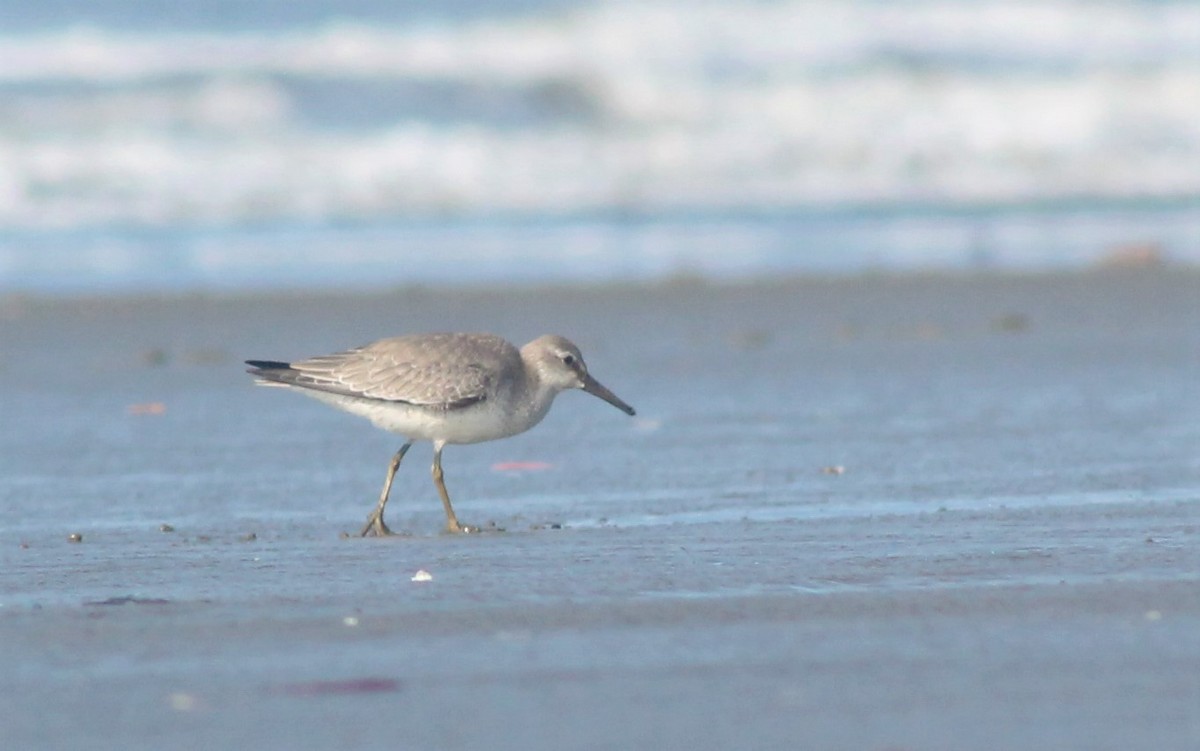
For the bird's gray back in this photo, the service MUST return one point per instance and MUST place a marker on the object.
(446, 371)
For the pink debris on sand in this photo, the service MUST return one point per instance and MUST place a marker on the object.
(147, 408)
(520, 466)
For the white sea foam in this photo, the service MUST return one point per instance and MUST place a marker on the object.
(641, 40)
(613, 106)
(616, 109)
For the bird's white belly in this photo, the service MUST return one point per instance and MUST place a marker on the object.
(482, 422)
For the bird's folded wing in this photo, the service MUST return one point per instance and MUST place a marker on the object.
(370, 374)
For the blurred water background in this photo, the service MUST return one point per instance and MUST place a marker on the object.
(219, 145)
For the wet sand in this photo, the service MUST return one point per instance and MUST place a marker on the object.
(932, 512)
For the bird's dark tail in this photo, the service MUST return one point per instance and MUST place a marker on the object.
(271, 371)
(260, 365)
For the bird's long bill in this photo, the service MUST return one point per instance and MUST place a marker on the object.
(593, 387)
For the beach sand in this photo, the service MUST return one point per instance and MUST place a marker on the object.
(921, 512)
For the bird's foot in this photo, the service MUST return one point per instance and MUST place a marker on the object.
(375, 527)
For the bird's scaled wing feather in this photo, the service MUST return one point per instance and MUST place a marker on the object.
(375, 373)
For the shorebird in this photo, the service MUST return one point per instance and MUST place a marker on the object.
(443, 388)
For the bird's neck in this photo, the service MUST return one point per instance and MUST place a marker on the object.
(539, 397)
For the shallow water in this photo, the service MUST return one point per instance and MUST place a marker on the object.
(922, 512)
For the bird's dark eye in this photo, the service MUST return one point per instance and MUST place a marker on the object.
(568, 360)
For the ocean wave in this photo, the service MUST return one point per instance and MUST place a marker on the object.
(615, 106)
(637, 40)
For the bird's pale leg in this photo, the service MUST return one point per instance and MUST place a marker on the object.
(452, 524)
(375, 523)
